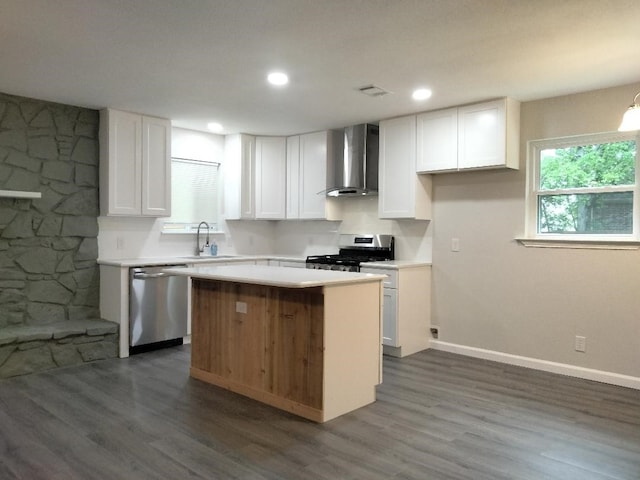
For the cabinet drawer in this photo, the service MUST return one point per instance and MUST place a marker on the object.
(392, 275)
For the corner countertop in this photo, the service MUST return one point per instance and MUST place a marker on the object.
(276, 276)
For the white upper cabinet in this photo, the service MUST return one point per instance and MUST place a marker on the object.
(486, 136)
(437, 141)
(276, 178)
(402, 192)
(239, 176)
(135, 164)
(307, 159)
(156, 167)
(293, 177)
(270, 179)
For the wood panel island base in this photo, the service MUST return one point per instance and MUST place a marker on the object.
(304, 341)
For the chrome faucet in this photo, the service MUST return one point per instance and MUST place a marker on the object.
(199, 249)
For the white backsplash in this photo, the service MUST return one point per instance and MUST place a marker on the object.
(413, 238)
(123, 237)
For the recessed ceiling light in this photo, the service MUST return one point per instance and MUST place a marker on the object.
(421, 94)
(215, 127)
(278, 78)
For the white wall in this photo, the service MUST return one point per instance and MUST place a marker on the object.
(497, 295)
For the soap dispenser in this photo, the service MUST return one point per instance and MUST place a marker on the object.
(214, 248)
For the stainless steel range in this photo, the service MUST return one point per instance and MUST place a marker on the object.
(354, 250)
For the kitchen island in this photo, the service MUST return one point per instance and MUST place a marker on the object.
(305, 341)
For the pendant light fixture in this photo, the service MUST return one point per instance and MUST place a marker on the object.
(631, 119)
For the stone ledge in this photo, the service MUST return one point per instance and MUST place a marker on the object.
(30, 333)
(29, 349)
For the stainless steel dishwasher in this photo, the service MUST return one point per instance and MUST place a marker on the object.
(158, 308)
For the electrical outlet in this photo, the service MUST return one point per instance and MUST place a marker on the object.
(581, 344)
(241, 307)
(455, 244)
(434, 332)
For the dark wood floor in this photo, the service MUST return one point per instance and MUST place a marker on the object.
(438, 416)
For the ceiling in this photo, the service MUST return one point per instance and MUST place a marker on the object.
(197, 61)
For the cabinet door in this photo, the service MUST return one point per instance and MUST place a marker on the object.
(390, 318)
(247, 177)
(121, 162)
(270, 177)
(238, 174)
(156, 167)
(296, 345)
(437, 141)
(313, 174)
(293, 177)
(396, 196)
(482, 135)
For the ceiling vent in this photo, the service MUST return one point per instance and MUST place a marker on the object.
(373, 91)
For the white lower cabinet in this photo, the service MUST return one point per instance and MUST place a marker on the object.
(390, 316)
(406, 309)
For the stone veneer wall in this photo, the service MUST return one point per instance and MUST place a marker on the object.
(48, 246)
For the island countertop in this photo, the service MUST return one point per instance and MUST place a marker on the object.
(276, 276)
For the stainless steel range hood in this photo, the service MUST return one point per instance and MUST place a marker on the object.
(356, 171)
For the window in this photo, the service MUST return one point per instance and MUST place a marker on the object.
(194, 195)
(583, 188)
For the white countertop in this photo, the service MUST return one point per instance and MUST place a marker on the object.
(396, 264)
(179, 260)
(276, 276)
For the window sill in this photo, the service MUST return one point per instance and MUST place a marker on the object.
(183, 228)
(582, 243)
(203, 233)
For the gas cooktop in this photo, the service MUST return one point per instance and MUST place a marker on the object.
(354, 250)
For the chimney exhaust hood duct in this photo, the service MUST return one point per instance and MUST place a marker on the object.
(356, 171)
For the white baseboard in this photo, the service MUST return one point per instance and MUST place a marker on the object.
(544, 365)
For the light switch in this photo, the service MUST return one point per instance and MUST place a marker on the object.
(455, 244)
(241, 307)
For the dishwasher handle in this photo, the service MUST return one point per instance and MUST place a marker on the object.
(144, 276)
(141, 274)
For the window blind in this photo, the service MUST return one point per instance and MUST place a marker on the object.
(194, 193)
